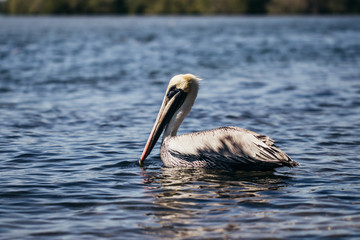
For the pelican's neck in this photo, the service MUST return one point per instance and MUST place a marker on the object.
(172, 128)
(179, 116)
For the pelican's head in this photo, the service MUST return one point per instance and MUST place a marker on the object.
(179, 98)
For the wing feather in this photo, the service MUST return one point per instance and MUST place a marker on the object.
(227, 146)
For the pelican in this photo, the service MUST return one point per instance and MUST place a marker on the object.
(221, 148)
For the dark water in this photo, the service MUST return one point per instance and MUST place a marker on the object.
(78, 97)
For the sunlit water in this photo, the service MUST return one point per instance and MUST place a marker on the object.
(78, 97)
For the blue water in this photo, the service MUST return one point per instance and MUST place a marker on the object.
(79, 95)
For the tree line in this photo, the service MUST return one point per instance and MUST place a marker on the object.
(194, 7)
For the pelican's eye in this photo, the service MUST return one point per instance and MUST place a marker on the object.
(172, 91)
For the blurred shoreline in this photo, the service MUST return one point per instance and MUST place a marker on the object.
(180, 7)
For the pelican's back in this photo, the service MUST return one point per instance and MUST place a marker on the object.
(226, 148)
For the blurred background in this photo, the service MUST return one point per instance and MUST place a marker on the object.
(180, 7)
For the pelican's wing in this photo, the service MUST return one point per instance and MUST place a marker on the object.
(228, 147)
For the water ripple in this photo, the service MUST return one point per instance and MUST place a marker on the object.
(79, 95)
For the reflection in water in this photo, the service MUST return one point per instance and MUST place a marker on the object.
(187, 200)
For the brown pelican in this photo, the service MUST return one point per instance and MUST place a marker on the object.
(224, 148)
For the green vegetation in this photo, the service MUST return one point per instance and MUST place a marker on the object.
(180, 6)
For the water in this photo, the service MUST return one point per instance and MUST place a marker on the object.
(78, 97)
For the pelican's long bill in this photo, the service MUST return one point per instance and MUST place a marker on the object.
(173, 100)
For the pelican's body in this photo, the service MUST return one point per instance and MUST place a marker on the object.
(225, 147)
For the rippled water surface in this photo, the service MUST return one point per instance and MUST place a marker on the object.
(78, 97)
